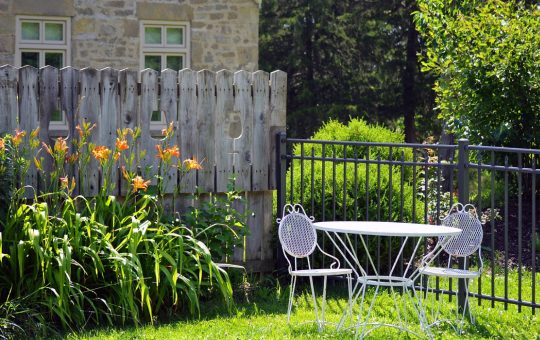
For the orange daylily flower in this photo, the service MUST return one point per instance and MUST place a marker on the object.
(72, 184)
(192, 164)
(167, 131)
(101, 153)
(34, 141)
(17, 139)
(37, 163)
(64, 182)
(168, 153)
(47, 148)
(124, 172)
(79, 130)
(121, 144)
(139, 183)
(60, 145)
(73, 157)
(2, 144)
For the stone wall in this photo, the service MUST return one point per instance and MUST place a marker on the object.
(224, 33)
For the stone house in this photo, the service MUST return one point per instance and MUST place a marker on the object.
(199, 34)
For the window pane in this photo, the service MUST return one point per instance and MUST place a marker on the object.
(30, 30)
(54, 31)
(152, 35)
(175, 62)
(156, 116)
(175, 36)
(54, 59)
(30, 58)
(56, 116)
(153, 62)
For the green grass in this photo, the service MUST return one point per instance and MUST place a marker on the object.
(265, 316)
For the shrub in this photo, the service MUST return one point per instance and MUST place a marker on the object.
(375, 190)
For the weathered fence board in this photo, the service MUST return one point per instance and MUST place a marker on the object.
(242, 144)
(261, 131)
(28, 120)
(129, 118)
(69, 101)
(224, 128)
(89, 112)
(187, 119)
(110, 111)
(149, 104)
(8, 99)
(169, 105)
(206, 103)
(224, 120)
(278, 109)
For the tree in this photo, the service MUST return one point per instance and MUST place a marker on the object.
(345, 59)
(485, 55)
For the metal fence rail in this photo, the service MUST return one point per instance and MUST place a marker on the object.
(341, 180)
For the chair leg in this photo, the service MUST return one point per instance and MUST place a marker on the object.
(323, 303)
(462, 321)
(315, 302)
(291, 297)
(347, 315)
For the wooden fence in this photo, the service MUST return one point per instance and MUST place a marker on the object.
(226, 120)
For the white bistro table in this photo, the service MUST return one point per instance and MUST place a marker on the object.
(340, 233)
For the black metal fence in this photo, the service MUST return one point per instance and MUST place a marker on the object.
(338, 180)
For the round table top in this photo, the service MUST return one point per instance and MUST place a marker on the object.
(386, 228)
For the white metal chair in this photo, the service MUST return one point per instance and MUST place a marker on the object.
(463, 246)
(298, 239)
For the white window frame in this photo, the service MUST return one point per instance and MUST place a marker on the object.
(41, 46)
(163, 50)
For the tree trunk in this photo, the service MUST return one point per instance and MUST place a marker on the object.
(409, 89)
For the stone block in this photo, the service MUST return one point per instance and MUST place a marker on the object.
(7, 43)
(131, 28)
(172, 12)
(64, 8)
(83, 26)
(7, 24)
(216, 16)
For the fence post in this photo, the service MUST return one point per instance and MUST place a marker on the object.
(463, 197)
(281, 173)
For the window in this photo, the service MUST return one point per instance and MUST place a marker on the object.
(42, 41)
(164, 45)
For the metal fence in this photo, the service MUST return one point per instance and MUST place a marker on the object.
(340, 180)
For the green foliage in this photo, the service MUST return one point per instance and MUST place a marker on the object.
(7, 177)
(343, 58)
(218, 223)
(485, 57)
(374, 189)
(79, 261)
(81, 271)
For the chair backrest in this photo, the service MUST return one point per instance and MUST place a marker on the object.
(470, 238)
(296, 232)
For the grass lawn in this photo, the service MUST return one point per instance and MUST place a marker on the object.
(265, 316)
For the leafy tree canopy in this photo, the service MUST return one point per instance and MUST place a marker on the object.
(486, 57)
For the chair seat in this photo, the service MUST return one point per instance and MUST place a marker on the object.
(450, 272)
(321, 272)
